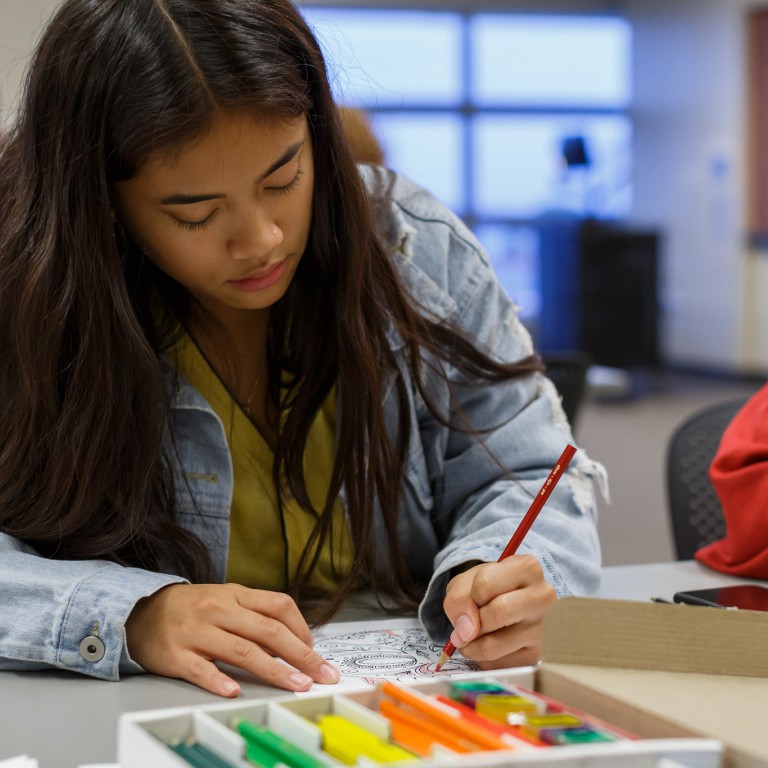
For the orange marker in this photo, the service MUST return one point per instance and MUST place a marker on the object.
(446, 716)
(417, 733)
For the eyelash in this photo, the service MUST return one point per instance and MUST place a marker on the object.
(198, 225)
(291, 184)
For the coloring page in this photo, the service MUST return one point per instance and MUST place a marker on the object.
(392, 649)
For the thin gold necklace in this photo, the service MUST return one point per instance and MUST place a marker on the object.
(246, 406)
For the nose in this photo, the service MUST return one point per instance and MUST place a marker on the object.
(254, 238)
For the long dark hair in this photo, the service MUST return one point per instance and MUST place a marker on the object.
(84, 404)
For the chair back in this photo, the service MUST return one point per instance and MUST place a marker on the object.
(568, 372)
(696, 514)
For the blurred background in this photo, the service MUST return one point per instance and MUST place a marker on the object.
(611, 156)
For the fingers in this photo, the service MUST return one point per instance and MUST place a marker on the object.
(513, 646)
(246, 655)
(276, 605)
(492, 580)
(206, 675)
(497, 610)
(516, 645)
(250, 641)
(183, 629)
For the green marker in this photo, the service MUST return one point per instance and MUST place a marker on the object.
(261, 757)
(469, 685)
(269, 743)
(198, 755)
(580, 735)
(467, 692)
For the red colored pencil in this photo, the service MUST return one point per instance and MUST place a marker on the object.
(525, 524)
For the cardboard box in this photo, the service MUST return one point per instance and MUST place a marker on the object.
(692, 682)
(666, 670)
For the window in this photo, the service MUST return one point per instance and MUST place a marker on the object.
(549, 61)
(518, 169)
(391, 58)
(478, 108)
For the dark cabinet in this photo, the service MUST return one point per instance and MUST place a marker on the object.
(599, 291)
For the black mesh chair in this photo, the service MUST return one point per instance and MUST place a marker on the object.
(568, 372)
(697, 517)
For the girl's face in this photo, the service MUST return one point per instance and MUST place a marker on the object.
(228, 216)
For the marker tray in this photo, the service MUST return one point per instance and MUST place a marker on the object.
(143, 737)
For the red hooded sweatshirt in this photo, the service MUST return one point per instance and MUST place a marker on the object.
(739, 473)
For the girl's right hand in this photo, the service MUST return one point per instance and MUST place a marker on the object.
(182, 629)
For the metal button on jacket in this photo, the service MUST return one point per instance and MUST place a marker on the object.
(92, 648)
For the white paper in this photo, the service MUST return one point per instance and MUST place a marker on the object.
(22, 761)
(385, 649)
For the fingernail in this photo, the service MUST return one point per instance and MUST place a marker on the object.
(228, 687)
(465, 629)
(329, 673)
(300, 681)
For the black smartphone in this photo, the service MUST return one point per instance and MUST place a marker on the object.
(750, 597)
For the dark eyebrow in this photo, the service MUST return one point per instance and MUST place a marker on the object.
(286, 157)
(189, 199)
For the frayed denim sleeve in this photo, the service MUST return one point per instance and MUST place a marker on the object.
(464, 494)
(485, 485)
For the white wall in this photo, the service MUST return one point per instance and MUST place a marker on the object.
(690, 129)
(754, 339)
(20, 24)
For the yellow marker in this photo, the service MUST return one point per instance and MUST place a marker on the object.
(496, 707)
(534, 723)
(347, 741)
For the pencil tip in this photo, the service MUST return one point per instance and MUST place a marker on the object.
(443, 659)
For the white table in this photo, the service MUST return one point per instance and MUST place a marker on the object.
(65, 720)
(642, 582)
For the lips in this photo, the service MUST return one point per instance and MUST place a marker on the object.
(262, 281)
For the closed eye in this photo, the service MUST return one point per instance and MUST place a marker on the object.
(196, 225)
(291, 184)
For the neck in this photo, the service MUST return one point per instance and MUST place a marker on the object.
(235, 328)
(236, 348)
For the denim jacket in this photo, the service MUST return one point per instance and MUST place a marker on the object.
(456, 504)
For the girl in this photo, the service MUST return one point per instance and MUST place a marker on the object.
(231, 355)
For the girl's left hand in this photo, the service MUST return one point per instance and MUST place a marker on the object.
(497, 611)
